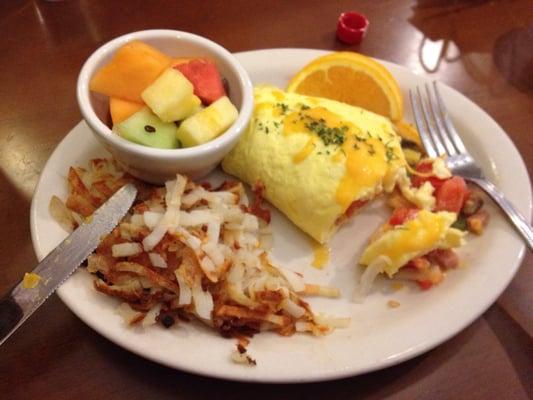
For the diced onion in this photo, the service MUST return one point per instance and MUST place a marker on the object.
(369, 275)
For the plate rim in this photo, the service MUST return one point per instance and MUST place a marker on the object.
(330, 374)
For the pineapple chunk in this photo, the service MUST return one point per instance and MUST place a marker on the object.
(171, 96)
(208, 123)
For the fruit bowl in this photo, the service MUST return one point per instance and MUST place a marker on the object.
(157, 165)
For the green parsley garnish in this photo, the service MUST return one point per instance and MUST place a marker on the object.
(391, 155)
(329, 136)
(284, 108)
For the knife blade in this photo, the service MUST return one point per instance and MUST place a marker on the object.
(17, 305)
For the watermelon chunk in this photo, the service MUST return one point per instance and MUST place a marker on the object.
(204, 76)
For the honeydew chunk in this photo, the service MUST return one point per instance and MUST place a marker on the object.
(171, 96)
(144, 127)
(208, 123)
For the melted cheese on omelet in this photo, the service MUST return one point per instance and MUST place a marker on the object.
(426, 232)
(315, 156)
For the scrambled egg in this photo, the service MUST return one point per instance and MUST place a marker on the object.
(422, 197)
(315, 157)
(427, 231)
(440, 170)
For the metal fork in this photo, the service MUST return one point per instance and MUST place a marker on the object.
(440, 137)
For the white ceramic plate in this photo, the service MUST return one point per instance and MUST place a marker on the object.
(378, 335)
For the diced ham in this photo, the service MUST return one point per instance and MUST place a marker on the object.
(419, 263)
(445, 258)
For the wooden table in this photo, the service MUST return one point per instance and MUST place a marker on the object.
(482, 48)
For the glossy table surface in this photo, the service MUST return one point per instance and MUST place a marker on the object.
(482, 48)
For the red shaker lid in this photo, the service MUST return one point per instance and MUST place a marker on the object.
(352, 27)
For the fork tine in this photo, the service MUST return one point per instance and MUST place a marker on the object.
(431, 125)
(450, 128)
(440, 128)
(421, 126)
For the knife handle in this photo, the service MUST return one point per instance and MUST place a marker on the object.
(10, 316)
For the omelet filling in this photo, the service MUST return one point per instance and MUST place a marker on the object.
(425, 232)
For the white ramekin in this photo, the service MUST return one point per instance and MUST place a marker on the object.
(158, 165)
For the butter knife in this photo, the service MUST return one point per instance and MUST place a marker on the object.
(17, 305)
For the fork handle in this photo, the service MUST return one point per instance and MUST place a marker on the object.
(518, 220)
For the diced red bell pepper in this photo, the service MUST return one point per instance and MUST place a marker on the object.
(451, 195)
(204, 76)
(425, 285)
(356, 205)
(402, 214)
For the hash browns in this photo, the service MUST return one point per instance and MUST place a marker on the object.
(191, 252)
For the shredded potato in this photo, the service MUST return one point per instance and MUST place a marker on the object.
(184, 252)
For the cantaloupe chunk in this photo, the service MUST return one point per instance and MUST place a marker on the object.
(132, 69)
(122, 109)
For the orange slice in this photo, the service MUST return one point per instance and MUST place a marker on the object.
(351, 78)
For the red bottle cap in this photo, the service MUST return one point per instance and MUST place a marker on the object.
(352, 27)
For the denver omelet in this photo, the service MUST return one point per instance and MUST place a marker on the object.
(315, 157)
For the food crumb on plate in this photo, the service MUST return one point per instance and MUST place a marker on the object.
(30, 280)
(393, 304)
(240, 356)
(397, 286)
